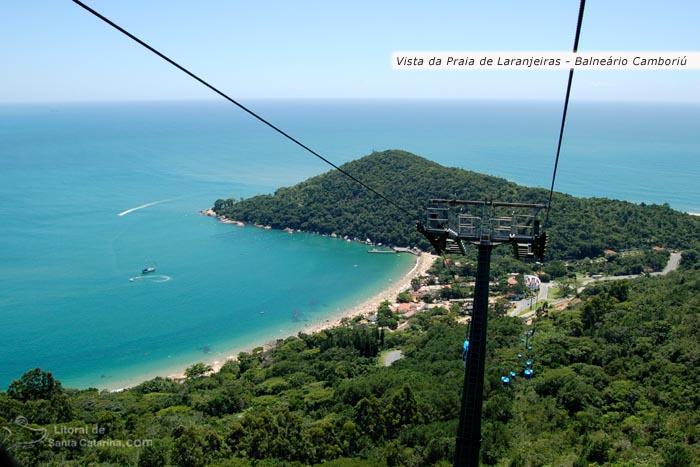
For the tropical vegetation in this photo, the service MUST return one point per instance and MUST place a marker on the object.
(615, 367)
(615, 385)
(332, 203)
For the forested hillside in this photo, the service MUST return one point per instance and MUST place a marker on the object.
(332, 203)
(615, 384)
(615, 373)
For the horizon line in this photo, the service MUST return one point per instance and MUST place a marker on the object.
(347, 99)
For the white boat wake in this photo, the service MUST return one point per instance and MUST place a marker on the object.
(124, 213)
(151, 277)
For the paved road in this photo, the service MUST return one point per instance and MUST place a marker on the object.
(520, 306)
(672, 264)
(525, 303)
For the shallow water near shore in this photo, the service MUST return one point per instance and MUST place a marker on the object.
(88, 314)
(91, 194)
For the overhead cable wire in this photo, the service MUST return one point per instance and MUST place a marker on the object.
(239, 105)
(566, 107)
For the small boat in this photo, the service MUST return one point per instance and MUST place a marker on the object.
(148, 270)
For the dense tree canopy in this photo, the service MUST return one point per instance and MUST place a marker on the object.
(34, 385)
(615, 384)
(615, 373)
(332, 203)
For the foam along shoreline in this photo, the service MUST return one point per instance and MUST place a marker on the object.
(365, 307)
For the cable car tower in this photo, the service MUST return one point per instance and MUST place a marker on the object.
(450, 226)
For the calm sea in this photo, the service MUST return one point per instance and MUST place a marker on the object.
(68, 170)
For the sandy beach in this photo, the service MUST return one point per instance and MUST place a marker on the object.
(366, 307)
(369, 306)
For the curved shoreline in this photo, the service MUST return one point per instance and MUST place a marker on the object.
(332, 319)
(370, 305)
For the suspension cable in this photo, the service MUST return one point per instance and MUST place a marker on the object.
(241, 106)
(566, 106)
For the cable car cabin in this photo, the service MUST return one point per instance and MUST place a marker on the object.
(451, 224)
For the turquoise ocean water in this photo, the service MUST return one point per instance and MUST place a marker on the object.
(68, 170)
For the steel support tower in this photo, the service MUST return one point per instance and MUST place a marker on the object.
(450, 226)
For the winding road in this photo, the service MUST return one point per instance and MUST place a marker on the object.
(522, 305)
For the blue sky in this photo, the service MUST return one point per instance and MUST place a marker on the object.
(52, 50)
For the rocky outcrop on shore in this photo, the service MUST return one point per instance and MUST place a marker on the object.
(223, 219)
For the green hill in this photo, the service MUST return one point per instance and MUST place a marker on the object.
(615, 383)
(332, 203)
